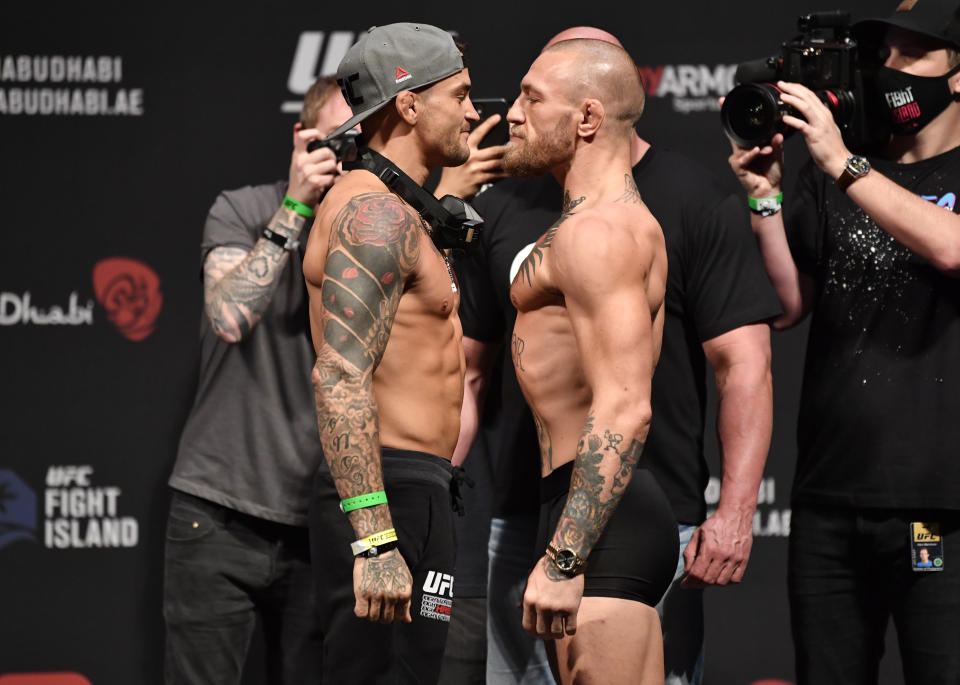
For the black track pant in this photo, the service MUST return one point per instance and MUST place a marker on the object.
(356, 650)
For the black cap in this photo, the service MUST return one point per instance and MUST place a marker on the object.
(938, 19)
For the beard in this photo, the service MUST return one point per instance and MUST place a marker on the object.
(535, 159)
(455, 152)
(449, 149)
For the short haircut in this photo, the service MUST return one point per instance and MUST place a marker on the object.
(605, 71)
(316, 97)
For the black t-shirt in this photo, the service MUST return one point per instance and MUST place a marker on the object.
(251, 441)
(881, 393)
(715, 283)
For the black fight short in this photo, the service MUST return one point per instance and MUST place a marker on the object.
(636, 555)
(418, 488)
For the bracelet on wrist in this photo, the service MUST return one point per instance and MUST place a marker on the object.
(375, 544)
(288, 244)
(298, 207)
(765, 206)
(371, 499)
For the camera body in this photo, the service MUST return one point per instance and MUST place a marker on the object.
(827, 59)
(344, 146)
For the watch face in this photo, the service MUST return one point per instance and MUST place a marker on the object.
(858, 166)
(566, 559)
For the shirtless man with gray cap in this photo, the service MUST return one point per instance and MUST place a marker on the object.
(390, 365)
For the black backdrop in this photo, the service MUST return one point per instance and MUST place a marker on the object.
(118, 126)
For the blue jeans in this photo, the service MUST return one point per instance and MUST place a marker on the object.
(681, 618)
(513, 657)
(222, 569)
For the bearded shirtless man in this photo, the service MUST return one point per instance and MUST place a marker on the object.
(587, 338)
(389, 371)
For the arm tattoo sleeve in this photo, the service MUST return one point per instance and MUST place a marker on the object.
(236, 295)
(374, 246)
(601, 472)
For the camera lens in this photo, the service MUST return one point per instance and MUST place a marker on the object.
(752, 114)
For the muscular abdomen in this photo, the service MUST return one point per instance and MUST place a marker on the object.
(548, 368)
(419, 382)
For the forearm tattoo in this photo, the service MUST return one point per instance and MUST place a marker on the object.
(535, 258)
(373, 247)
(601, 472)
(236, 295)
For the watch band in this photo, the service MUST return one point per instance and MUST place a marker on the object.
(845, 179)
(288, 244)
(856, 167)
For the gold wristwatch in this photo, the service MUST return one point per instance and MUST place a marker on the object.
(566, 560)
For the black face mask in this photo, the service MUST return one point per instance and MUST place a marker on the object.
(913, 101)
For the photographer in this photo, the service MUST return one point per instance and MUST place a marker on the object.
(872, 248)
(237, 544)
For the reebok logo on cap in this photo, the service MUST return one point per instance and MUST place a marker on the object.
(402, 75)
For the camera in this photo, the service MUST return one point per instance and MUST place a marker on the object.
(344, 146)
(827, 59)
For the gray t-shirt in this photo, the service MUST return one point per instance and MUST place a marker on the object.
(251, 440)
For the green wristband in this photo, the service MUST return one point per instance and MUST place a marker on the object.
(298, 207)
(765, 206)
(371, 499)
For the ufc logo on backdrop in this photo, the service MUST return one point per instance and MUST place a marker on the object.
(318, 53)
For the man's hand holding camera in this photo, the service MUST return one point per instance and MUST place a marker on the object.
(311, 173)
(818, 127)
(760, 169)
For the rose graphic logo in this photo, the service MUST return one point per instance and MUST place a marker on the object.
(130, 292)
(60, 678)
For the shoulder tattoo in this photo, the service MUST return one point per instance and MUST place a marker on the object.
(374, 246)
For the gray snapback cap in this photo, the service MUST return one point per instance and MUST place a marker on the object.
(389, 59)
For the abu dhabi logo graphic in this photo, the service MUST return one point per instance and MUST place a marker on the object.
(311, 46)
(691, 87)
(130, 292)
(18, 510)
